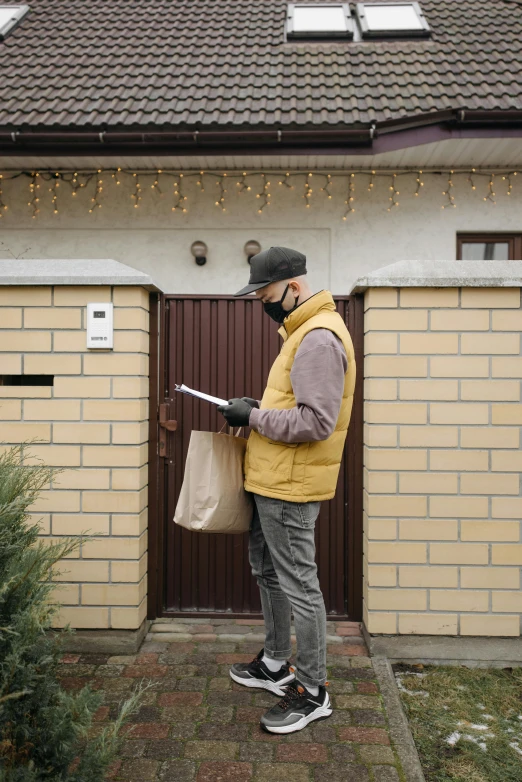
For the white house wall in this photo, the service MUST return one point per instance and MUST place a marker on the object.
(156, 240)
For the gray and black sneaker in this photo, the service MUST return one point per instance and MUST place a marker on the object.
(297, 709)
(256, 674)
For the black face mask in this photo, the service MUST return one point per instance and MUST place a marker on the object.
(275, 308)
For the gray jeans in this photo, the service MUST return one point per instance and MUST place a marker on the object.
(282, 557)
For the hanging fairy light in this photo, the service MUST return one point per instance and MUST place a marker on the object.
(242, 183)
(95, 203)
(420, 183)
(264, 194)
(52, 189)
(115, 175)
(393, 198)
(470, 180)
(507, 178)
(326, 188)
(222, 190)
(137, 191)
(200, 181)
(179, 197)
(351, 197)
(286, 181)
(3, 206)
(308, 190)
(447, 192)
(33, 190)
(491, 193)
(155, 185)
(371, 182)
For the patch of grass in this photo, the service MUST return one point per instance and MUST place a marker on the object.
(466, 722)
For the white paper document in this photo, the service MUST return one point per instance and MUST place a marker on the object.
(200, 395)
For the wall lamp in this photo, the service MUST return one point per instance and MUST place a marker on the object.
(199, 250)
(251, 248)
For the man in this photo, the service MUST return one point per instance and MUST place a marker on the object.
(291, 464)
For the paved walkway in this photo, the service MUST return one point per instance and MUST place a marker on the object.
(196, 724)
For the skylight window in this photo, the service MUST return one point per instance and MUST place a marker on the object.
(10, 16)
(321, 20)
(382, 20)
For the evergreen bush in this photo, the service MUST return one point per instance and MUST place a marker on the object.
(43, 728)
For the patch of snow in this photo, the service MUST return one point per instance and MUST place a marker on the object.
(515, 746)
(460, 687)
(489, 717)
(481, 744)
(452, 740)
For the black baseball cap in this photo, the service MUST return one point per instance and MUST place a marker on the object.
(272, 265)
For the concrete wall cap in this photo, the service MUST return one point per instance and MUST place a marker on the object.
(443, 274)
(72, 272)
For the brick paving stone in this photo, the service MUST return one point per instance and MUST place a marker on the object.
(139, 770)
(146, 714)
(229, 659)
(182, 730)
(249, 713)
(223, 772)
(110, 671)
(256, 734)
(209, 651)
(357, 702)
(76, 670)
(281, 772)
(302, 753)
(122, 659)
(253, 622)
(340, 717)
(70, 658)
(226, 732)
(211, 750)
(340, 687)
(361, 662)
(220, 683)
(368, 717)
(150, 671)
(348, 631)
(197, 628)
(352, 674)
(385, 774)
(146, 730)
(152, 646)
(210, 669)
(180, 699)
(184, 713)
(114, 685)
(192, 683)
(348, 624)
(374, 753)
(255, 751)
(303, 736)
(205, 637)
(113, 769)
(351, 650)
(178, 771)
(164, 749)
(324, 733)
(265, 699)
(367, 687)
(343, 753)
(220, 714)
(229, 630)
(133, 748)
(72, 682)
(364, 735)
(101, 714)
(179, 648)
(147, 659)
(340, 772)
(229, 698)
(94, 659)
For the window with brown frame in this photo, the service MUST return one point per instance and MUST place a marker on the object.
(489, 247)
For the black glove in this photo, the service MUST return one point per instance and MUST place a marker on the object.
(237, 412)
(251, 402)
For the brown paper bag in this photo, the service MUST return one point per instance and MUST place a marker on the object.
(212, 497)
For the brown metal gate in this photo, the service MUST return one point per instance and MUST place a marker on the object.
(226, 346)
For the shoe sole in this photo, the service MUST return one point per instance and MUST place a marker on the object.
(275, 687)
(319, 714)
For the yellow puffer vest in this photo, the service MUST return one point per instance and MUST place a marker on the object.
(300, 472)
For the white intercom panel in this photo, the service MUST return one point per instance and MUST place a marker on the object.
(100, 325)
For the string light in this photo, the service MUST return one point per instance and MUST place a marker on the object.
(491, 193)
(264, 194)
(395, 193)
(99, 187)
(351, 197)
(326, 188)
(77, 180)
(451, 198)
(308, 190)
(420, 183)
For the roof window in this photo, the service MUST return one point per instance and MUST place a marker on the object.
(10, 16)
(320, 20)
(391, 20)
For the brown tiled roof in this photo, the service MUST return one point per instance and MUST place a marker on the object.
(196, 63)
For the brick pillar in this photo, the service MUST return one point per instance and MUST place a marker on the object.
(443, 505)
(93, 421)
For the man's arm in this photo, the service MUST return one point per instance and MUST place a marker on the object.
(317, 377)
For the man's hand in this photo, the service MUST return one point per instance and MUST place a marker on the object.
(237, 412)
(251, 402)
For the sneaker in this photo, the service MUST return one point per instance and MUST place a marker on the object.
(256, 674)
(297, 709)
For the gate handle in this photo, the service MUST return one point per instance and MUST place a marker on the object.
(166, 423)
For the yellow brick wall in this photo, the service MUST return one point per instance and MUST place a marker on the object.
(94, 419)
(443, 502)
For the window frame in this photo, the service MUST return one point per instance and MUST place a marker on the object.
(513, 239)
(369, 34)
(19, 11)
(319, 35)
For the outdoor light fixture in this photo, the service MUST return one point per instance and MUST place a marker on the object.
(251, 248)
(199, 250)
